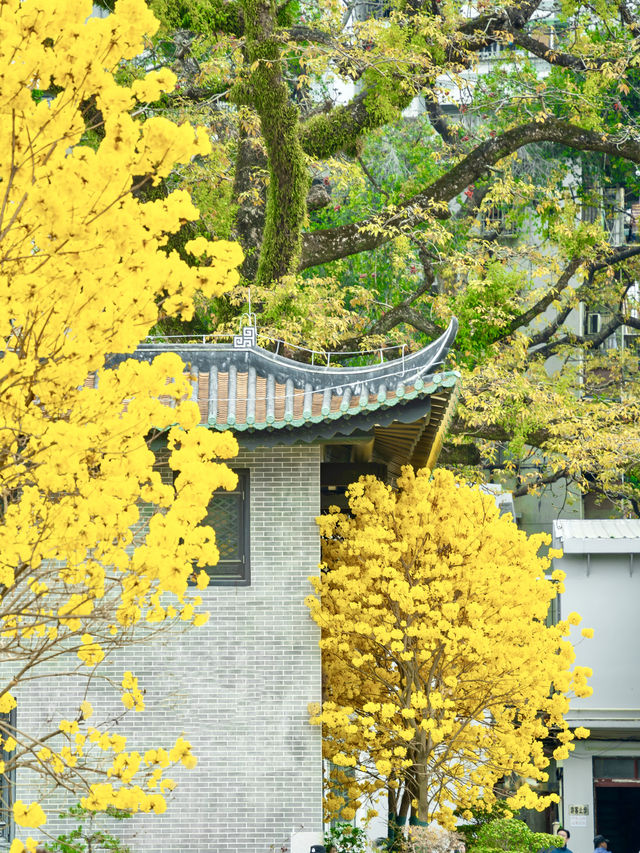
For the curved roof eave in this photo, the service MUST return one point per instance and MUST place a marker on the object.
(406, 369)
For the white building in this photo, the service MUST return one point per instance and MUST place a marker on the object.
(600, 782)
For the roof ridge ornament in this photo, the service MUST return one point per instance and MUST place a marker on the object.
(248, 333)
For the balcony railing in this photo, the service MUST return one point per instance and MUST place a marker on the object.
(621, 224)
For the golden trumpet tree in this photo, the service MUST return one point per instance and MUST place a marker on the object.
(83, 274)
(441, 675)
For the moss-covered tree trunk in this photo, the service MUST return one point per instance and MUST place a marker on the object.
(267, 91)
(250, 193)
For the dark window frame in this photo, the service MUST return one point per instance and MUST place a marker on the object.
(7, 784)
(239, 571)
(603, 767)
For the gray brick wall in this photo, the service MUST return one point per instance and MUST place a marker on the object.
(237, 688)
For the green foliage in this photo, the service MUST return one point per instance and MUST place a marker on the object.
(481, 814)
(200, 16)
(484, 307)
(347, 838)
(512, 835)
(86, 837)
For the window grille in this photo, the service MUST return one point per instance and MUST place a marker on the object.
(606, 206)
(496, 218)
(7, 780)
(364, 10)
(228, 514)
(490, 50)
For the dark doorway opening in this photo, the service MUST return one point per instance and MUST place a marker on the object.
(618, 815)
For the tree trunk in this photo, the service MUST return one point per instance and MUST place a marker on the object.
(289, 180)
(250, 214)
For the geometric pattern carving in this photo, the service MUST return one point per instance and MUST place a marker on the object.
(247, 338)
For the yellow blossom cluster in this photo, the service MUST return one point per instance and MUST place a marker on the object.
(132, 696)
(441, 674)
(131, 772)
(84, 275)
(28, 815)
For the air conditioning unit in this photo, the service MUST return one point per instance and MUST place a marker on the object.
(594, 323)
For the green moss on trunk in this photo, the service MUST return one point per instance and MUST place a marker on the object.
(288, 175)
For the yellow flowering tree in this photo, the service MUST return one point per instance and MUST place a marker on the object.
(441, 675)
(84, 273)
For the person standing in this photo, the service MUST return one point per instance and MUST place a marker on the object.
(561, 832)
(600, 844)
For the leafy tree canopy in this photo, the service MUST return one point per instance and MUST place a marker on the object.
(381, 174)
(441, 678)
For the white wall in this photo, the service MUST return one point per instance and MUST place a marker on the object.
(605, 590)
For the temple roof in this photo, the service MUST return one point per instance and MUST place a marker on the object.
(269, 399)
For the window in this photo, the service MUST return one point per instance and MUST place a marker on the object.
(496, 219)
(364, 10)
(616, 767)
(490, 50)
(7, 780)
(228, 514)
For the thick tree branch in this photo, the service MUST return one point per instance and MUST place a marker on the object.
(618, 255)
(542, 304)
(554, 57)
(326, 134)
(402, 313)
(332, 243)
(309, 34)
(515, 16)
(405, 314)
(628, 18)
(547, 480)
(615, 257)
(439, 121)
(550, 330)
(591, 342)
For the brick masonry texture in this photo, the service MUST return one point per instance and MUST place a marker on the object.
(237, 689)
